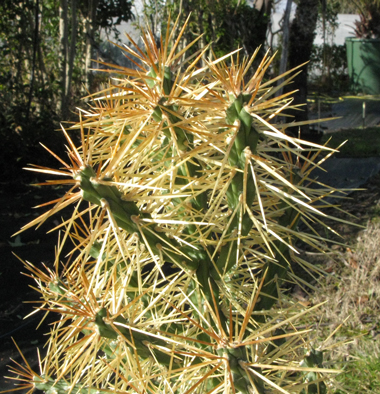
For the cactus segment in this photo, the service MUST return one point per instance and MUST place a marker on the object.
(126, 213)
(314, 359)
(167, 82)
(141, 342)
(278, 270)
(246, 137)
(50, 386)
(236, 357)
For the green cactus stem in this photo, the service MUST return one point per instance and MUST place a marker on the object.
(127, 214)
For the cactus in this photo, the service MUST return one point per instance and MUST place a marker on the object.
(188, 205)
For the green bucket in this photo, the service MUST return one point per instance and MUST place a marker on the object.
(363, 59)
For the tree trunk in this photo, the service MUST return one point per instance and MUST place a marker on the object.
(302, 33)
(21, 55)
(90, 23)
(285, 43)
(63, 34)
(72, 51)
(263, 5)
(35, 48)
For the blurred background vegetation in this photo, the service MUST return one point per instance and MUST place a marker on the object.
(48, 50)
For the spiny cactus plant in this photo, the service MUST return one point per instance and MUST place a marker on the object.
(188, 207)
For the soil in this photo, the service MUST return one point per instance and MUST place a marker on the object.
(36, 246)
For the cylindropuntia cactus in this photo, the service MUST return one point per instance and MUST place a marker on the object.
(188, 203)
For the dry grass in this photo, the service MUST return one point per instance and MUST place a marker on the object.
(352, 289)
(360, 142)
(352, 293)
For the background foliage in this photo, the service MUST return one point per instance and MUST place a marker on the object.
(47, 52)
(31, 68)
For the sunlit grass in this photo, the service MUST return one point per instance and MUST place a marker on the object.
(351, 294)
(361, 368)
(360, 143)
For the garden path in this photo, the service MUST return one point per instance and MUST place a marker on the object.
(349, 172)
(349, 111)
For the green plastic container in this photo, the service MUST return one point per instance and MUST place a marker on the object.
(363, 59)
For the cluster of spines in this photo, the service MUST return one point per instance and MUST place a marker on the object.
(184, 169)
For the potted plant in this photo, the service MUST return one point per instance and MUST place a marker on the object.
(363, 50)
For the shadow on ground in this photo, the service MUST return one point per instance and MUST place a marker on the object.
(16, 200)
(349, 111)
